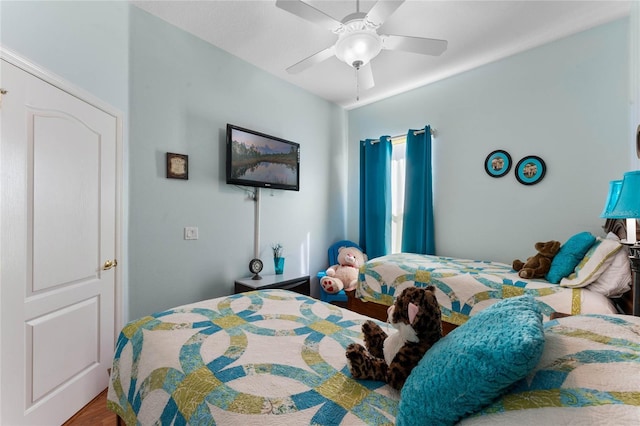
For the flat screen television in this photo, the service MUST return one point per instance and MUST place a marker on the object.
(263, 161)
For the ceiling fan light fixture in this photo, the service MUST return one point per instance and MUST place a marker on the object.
(358, 39)
(358, 47)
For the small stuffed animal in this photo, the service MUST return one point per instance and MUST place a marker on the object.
(538, 265)
(345, 274)
(416, 315)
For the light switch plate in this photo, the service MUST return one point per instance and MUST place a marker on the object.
(191, 233)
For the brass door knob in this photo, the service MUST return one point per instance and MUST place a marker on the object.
(109, 264)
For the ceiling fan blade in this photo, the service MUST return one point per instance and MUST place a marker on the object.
(365, 77)
(309, 13)
(382, 10)
(312, 60)
(423, 46)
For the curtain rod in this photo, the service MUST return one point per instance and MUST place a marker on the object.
(415, 133)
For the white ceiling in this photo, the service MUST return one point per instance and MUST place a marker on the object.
(478, 32)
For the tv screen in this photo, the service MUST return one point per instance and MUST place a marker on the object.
(256, 159)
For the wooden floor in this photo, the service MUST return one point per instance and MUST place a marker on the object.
(94, 414)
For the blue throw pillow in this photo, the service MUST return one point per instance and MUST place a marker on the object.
(474, 364)
(570, 254)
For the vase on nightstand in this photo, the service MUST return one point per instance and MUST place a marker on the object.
(278, 263)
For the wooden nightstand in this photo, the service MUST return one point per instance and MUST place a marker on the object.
(297, 283)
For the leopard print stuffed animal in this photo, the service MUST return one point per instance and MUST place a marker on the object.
(416, 316)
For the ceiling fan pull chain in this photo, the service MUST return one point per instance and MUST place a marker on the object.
(357, 87)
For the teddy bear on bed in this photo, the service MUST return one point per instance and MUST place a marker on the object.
(344, 275)
(538, 265)
(416, 315)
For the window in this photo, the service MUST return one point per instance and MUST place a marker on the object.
(398, 156)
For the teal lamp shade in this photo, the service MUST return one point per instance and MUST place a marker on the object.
(612, 198)
(627, 205)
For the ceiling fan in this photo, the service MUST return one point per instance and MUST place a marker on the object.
(358, 39)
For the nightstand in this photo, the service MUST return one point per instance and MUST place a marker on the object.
(293, 282)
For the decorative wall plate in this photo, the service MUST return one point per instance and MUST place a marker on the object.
(530, 170)
(498, 163)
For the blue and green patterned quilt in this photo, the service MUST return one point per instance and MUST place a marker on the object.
(274, 357)
(588, 375)
(464, 287)
(270, 357)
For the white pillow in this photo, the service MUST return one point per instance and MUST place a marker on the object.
(594, 263)
(616, 279)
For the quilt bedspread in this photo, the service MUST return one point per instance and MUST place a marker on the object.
(464, 287)
(588, 375)
(270, 357)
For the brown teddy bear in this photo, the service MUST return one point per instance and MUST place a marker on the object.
(416, 316)
(538, 265)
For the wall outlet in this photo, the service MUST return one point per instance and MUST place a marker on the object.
(191, 233)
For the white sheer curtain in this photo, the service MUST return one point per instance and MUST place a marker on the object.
(398, 164)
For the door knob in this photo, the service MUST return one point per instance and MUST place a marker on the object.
(109, 264)
(638, 141)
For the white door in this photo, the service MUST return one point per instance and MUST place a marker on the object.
(58, 228)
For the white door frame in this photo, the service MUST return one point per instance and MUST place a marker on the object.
(120, 288)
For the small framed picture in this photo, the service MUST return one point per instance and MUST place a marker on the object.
(530, 170)
(498, 163)
(177, 166)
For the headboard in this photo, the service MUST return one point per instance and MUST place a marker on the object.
(619, 227)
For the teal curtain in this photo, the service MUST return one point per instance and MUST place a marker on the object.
(375, 197)
(417, 226)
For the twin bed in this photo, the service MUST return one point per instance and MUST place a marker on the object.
(465, 287)
(274, 357)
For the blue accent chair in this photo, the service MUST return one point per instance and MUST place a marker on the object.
(341, 296)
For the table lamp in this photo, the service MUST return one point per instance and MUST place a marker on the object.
(623, 202)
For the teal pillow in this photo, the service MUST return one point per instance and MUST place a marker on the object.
(474, 364)
(570, 254)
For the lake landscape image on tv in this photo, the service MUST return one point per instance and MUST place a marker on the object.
(262, 159)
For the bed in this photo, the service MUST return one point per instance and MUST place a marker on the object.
(264, 357)
(465, 287)
(274, 357)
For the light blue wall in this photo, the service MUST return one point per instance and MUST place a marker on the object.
(183, 93)
(177, 93)
(84, 42)
(566, 102)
